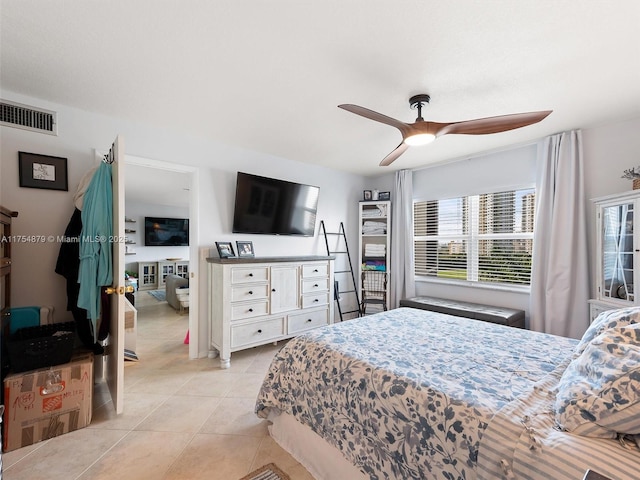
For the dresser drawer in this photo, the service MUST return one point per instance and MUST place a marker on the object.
(315, 300)
(319, 270)
(315, 285)
(249, 310)
(249, 274)
(249, 292)
(306, 321)
(257, 332)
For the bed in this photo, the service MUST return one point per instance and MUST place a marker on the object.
(416, 394)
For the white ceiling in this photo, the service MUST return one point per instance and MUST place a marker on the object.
(268, 75)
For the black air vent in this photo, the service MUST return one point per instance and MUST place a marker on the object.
(28, 118)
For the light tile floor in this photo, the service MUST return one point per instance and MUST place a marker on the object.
(183, 419)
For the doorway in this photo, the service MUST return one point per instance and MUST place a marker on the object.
(163, 183)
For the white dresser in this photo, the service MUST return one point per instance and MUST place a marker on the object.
(253, 301)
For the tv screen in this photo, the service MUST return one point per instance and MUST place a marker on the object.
(166, 232)
(276, 207)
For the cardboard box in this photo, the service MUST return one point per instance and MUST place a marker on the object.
(42, 404)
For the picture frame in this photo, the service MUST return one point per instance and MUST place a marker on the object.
(384, 196)
(245, 249)
(42, 171)
(225, 250)
(368, 195)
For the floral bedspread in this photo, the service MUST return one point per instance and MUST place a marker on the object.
(407, 393)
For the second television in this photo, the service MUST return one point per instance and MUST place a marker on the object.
(272, 206)
(166, 232)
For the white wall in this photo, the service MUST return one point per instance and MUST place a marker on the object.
(47, 212)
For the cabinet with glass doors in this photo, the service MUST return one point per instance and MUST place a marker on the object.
(617, 250)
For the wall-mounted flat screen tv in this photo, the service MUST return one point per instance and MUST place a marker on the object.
(275, 207)
(166, 232)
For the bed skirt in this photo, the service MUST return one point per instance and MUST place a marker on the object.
(322, 460)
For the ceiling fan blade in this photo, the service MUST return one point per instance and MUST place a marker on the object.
(502, 123)
(371, 115)
(389, 159)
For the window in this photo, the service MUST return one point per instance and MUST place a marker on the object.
(484, 238)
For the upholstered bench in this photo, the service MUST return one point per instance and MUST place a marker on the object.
(486, 313)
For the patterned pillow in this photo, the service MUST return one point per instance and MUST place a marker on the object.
(599, 392)
(606, 320)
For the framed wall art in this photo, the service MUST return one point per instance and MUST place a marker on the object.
(42, 171)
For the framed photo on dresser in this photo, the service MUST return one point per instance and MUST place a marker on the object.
(225, 250)
(245, 249)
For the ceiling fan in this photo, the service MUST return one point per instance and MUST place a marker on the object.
(421, 132)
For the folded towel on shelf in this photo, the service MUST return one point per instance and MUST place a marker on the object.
(374, 250)
(379, 211)
(370, 227)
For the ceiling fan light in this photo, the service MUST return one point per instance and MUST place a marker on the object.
(420, 139)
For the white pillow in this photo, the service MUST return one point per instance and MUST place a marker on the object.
(608, 319)
(599, 392)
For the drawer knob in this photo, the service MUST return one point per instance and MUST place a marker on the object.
(309, 320)
(251, 309)
(273, 289)
(316, 285)
(250, 292)
(316, 270)
(251, 274)
(316, 300)
(260, 331)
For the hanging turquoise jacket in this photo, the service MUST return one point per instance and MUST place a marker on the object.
(96, 265)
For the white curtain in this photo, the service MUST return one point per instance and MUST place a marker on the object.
(402, 278)
(559, 271)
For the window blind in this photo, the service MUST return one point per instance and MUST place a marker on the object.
(479, 238)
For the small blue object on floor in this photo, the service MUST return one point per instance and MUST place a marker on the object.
(158, 295)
